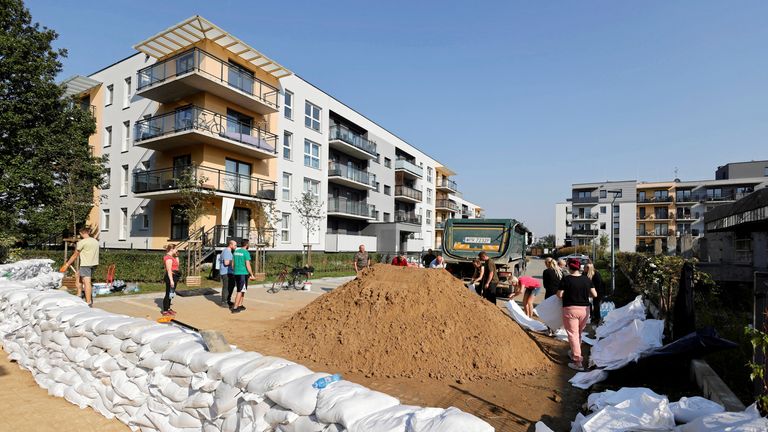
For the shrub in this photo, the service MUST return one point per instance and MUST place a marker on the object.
(133, 266)
(570, 250)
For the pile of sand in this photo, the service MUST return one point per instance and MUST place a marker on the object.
(409, 322)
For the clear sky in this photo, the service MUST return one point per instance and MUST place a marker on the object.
(521, 99)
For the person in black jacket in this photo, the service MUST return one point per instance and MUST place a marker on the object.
(427, 259)
(551, 277)
(597, 282)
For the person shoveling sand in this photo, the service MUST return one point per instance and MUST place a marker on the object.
(412, 323)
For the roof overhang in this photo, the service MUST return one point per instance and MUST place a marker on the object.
(196, 29)
(79, 84)
(445, 170)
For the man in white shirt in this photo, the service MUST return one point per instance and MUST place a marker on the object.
(437, 263)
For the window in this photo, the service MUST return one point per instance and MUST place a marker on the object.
(123, 224)
(387, 190)
(287, 142)
(615, 242)
(179, 223)
(285, 228)
(683, 195)
(126, 136)
(378, 185)
(238, 123)
(107, 179)
(105, 219)
(765, 171)
(429, 196)
(108, 136)
(714, 193)
(124, 180)
(429, 217)
(641, 214)
(378, 158)
(313, 187)
(388, 162)
(641, 196)
(127, 93)
(660, 229)
(109, 95)
(743, 248)
(429, 174)
(286, 186)
(603, 209)
(387, 217)
(312, 116)
(144, 218)
(661, 213)
(603, 193)
(615, 228)
(602, 225)
(311, 154)
(615, 210)
(288, 105)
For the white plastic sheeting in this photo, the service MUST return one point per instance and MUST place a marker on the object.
(748, 420)
(156, 377)
(689, 409)
(551, 312)
(585, 380)
(627, 345)
(621, 317)
(523, 319)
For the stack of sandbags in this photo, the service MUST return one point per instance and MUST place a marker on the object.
(159, 377)
(34, 273)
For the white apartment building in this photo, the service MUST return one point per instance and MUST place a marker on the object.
(196, 96)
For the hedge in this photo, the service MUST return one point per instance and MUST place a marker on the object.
(147, 266)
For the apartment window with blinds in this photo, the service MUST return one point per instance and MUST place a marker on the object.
(126, 136)
(287, 145)
(123, 223)
(429, 196)
(105, 220)
(288, 105)
(285, 228)
(286, 186)
(312, 116)
(107, 136)
(124, 180)
(313, 187)
(311, 154)
(127, 93)
(109, 96)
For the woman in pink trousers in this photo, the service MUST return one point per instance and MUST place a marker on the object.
(575, 290)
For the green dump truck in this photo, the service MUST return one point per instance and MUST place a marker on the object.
(504, 240)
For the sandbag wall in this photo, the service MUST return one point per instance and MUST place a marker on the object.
(158, 377)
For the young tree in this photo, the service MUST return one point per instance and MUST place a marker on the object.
(196, 198)
(310, 211)
(49, 173)
(548, 241)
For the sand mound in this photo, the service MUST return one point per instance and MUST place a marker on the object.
(410, 322)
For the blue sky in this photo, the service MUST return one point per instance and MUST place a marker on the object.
(520, 98)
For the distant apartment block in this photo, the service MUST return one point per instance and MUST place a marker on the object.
(656, 217)
(196, 101)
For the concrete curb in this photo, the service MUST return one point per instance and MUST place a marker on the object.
(713, 387)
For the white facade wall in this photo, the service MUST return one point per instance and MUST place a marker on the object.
(562, 217)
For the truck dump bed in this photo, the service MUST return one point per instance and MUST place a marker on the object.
(503, 240)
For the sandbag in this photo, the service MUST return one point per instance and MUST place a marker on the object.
(126, 331)
(627, 345)
(619, 318)
(394, 419)
(448, 420)
(550, 311)
(344, 403)
(261, 384)
(230, 365)
(748, 420)
(643, 410)
(521, 318)
(689, 409)
(183, 352)
(201, 361)
(298, 395)
(256, 368)
(278, 415)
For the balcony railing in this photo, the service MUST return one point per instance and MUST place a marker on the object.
(585, 232)
(406, 165)
(408, 192)
(656, 233)
(584, 200)
(407, 217)
(585, 216)
(652, 216)
(655, 199)
(199, 61)
(447, 184)
(343, 133)
(202, 120)
(345, 206)
(169, 179)
(440, 225)
(351, 173)
(446, 204)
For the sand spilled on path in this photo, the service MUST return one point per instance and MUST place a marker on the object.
(412, 323)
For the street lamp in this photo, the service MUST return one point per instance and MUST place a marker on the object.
(616, 193)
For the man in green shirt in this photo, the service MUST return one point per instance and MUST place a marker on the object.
(243, 273)
(87, 250)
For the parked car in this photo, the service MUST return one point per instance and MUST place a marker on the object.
(584, 259)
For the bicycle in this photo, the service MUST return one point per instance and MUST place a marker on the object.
(293, 279)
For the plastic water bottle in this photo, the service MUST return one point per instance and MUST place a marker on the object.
(323, 382)
(172, 294)
(605, 308)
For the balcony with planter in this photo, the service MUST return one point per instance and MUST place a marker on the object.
(342, 207)
(195, 125)
(352, 143)
(407, 194)
(408, 168)
(196, 71)
(167, 183)
(351, 177)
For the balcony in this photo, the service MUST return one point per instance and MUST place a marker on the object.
(407, 217)
(447, 185)
(585, 233)
(409, 168)
(407, 194)
(444, 204)
(345, 140)
(343, 207)
(194, 125)
(656, 233)
(585, 200)
(167, 182)
(440, 225)
(585, 216)
(467, 212)
(351, 177)
(655, 199)
(196, 71)
(685, 216)
(659, 217)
